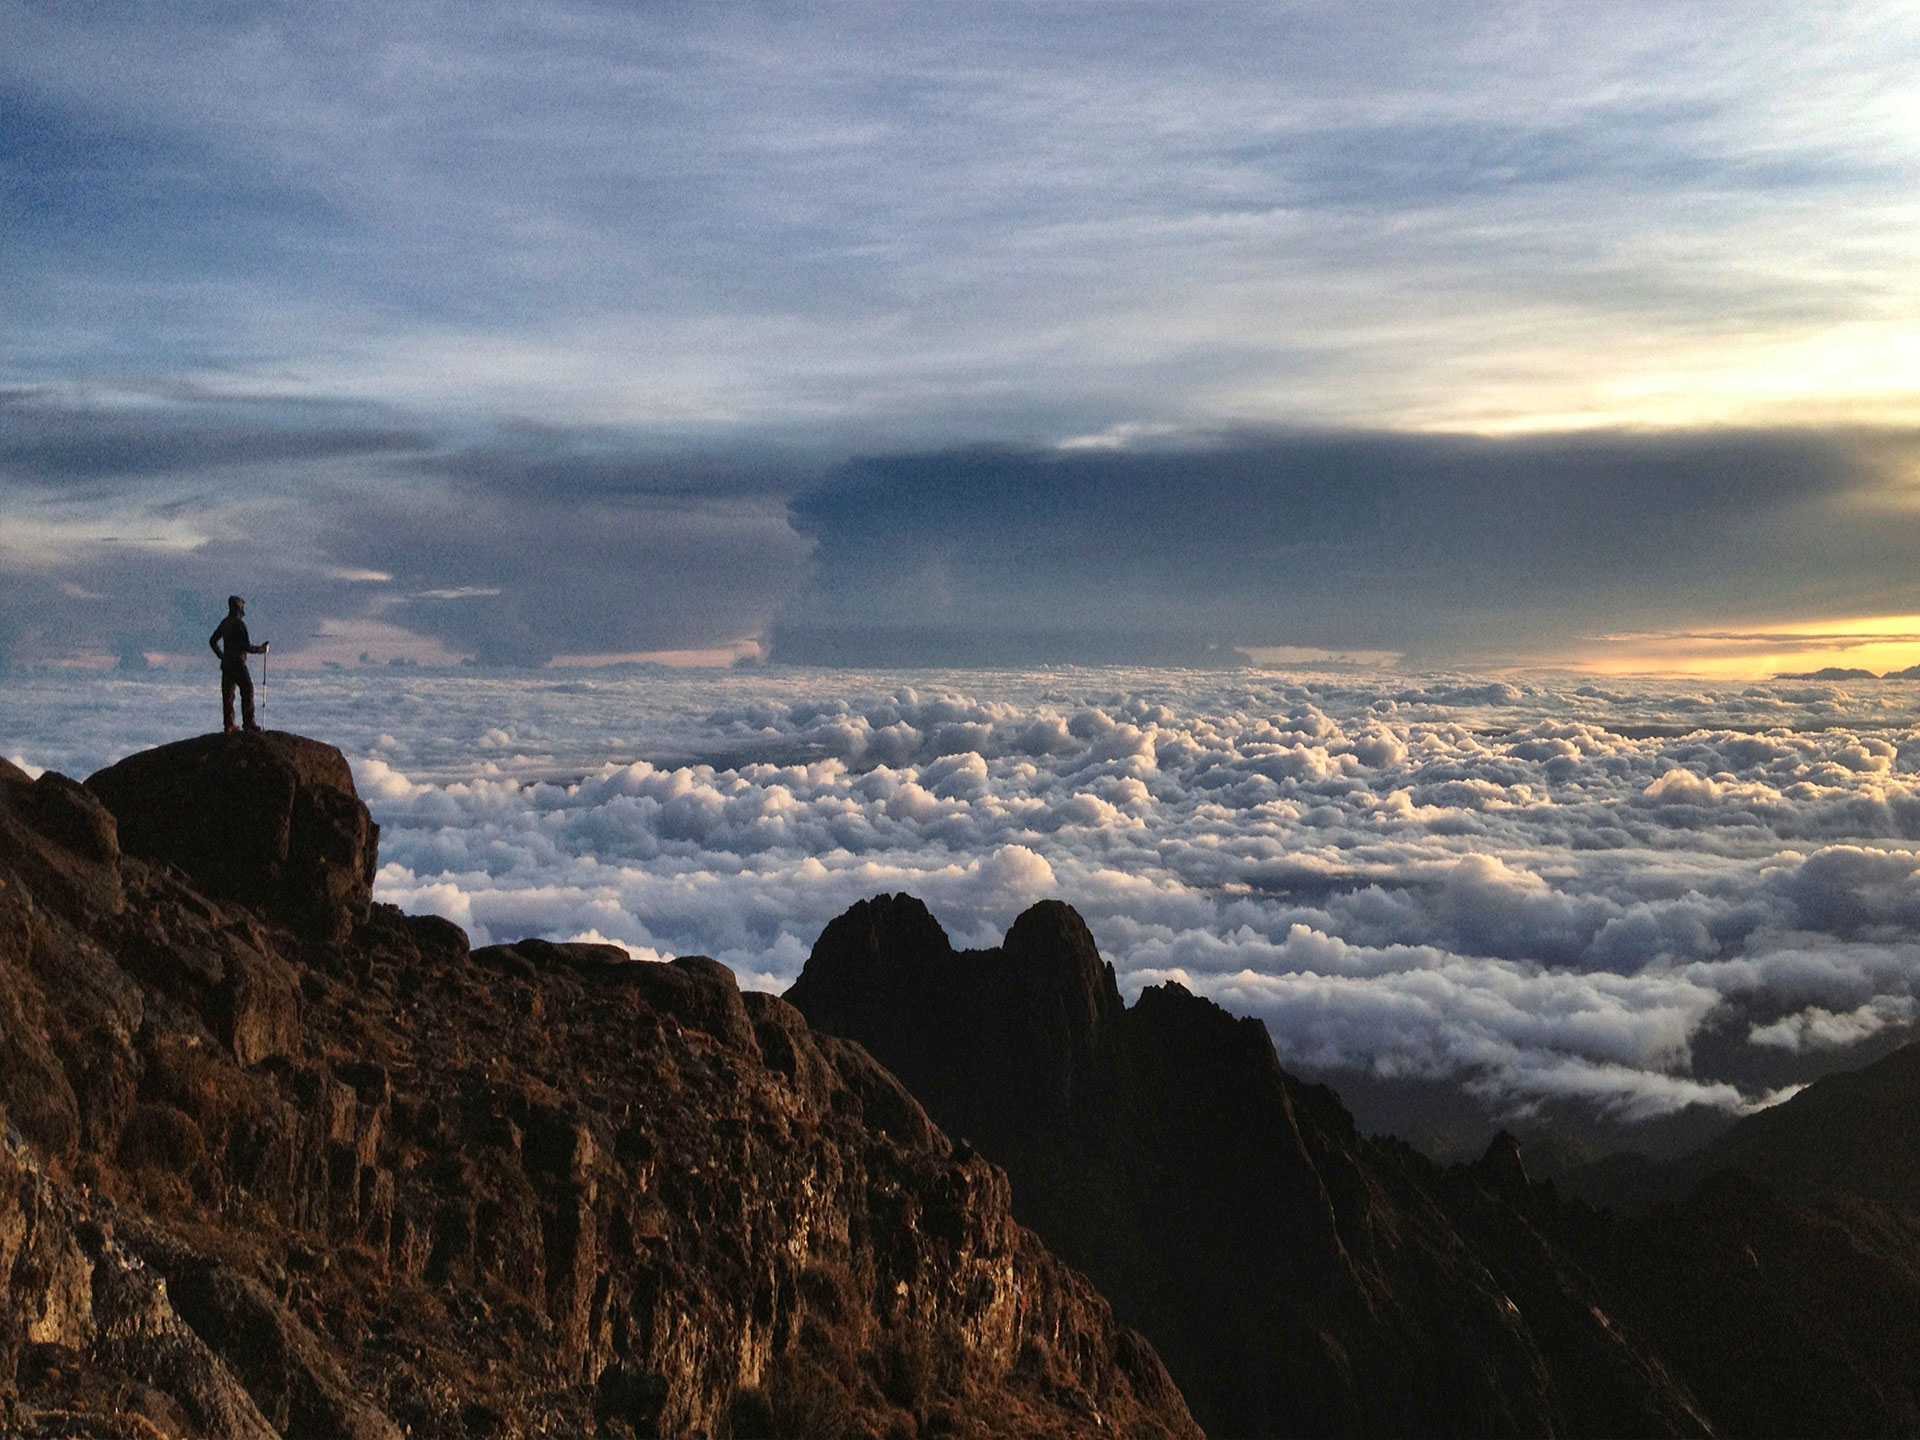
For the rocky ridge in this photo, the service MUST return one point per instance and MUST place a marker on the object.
(278, 1160)
(283, 1161)
(1301, 1279)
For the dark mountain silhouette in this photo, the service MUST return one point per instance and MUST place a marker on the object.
(1298, 1279)
(1781, 1273)
(1784, 1320)
(1854, 1133)
(282, 1161)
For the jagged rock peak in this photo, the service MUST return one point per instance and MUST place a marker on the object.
(1502, 1164)
(887, 957)
(1025, 1019)
(1050, 948)
(265, 818)
(1296, 1278)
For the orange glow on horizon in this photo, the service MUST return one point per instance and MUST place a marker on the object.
(1881, 644)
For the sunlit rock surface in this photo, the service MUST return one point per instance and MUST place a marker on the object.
(279, 1161)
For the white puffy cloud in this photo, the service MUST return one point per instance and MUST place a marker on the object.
(1816, 1028)
(1538, 890)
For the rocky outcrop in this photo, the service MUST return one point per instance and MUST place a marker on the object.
(283, 1161)
(1298, 1278)
(262, 818)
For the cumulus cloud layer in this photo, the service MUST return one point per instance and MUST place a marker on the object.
(1636, 899)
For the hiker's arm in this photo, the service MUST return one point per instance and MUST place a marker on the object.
(213, 643)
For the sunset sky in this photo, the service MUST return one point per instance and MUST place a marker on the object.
(986, 333)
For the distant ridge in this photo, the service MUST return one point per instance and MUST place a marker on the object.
(1854, 1133)
(1785, 1282)
(1840, 672)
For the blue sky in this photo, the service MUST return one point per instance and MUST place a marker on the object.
(570, 329)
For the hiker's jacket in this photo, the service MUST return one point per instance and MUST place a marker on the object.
(231, 633)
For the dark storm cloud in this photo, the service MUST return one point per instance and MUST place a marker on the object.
(1436, 544)
(126, 525)
(45, 442)
(577, 572)
(530, 460)
(589, 540)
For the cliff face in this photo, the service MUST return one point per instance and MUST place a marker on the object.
(282, 1161)
(1298, 1278)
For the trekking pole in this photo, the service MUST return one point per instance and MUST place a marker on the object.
(263, 689)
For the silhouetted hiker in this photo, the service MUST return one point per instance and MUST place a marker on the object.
(232, 644)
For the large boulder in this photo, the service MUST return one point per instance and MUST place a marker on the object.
(264, 818)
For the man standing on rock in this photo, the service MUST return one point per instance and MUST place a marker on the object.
(232, 644)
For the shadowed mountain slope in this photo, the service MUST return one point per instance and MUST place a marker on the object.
(1781, 1274)
(1857, 1132)
(1298, 1279)
(1302, 1280)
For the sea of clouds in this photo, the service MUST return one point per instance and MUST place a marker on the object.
(1634, 896)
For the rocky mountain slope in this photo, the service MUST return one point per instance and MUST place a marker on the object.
(1298, 1279)
(1301, 1279)
(279, 1160)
